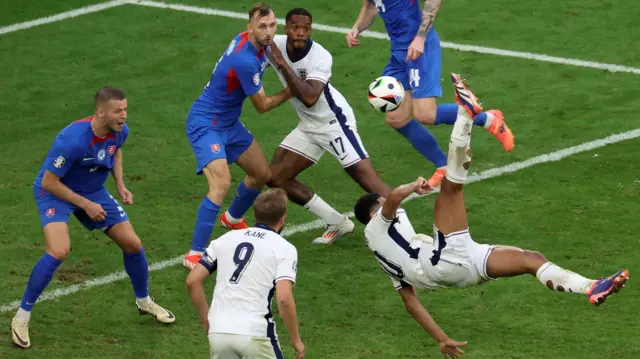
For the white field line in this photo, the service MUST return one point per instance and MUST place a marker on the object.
(380, 35)
(494, 172)
(61, 16)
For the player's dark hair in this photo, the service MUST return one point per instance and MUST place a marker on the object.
(364, 207)
(270, 206)
(298, 11)
(107, 94)
(259, 10)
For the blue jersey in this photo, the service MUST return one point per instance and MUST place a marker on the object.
(237, 75)
(82, 160)
(402, 19)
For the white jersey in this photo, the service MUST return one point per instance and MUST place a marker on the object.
(411, 259)
(315, 65)
(249, 262)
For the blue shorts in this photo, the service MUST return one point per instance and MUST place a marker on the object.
(421, 76)
(211, 143)
(53, 209)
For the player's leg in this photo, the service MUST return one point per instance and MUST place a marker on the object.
(54, 215)
(424, 79)
(400, 120)
(505, 261)
(117, 226)
(246, 152)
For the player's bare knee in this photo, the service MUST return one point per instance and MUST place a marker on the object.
(59, 252)
(132, 246)
(533, 260)
(262, 177)
(398, 119)
(425, 117)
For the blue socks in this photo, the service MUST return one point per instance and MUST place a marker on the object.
(41, 275)
(424, 142)
(205, 221)
(243, 200)
(448, 112)
(135, 264)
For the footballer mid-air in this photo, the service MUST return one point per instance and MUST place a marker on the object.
(326, 124)
(453, 259)
(72, 180)
(415, 61)
(217, 136)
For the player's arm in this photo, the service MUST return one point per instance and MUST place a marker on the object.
(286, 270)
(116, 171)
(429, 11)
(395, 198)
(52, 184)
(264, 103)
(195, 285)
(367, 15)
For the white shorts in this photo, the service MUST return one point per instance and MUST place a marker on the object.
(340, 138)
(462, 262)
(236, 346)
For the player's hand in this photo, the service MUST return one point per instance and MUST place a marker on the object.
(416, 48)
(275, 55)
(95, 211)
(127, 197)
(449, 348)
(298, 346)
(422, 186)
(352, 38)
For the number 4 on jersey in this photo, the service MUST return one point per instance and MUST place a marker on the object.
(242, 258)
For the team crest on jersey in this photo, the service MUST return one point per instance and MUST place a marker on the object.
(256, 79)
(215, 148)
(111, 150)
(302, 73)
(101, 155)
(50, 212)
(59, 162)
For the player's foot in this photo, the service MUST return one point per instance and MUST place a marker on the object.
(150, 307)
(191, 259)
(335, 231)
(227, 223)
(604, 287)
(500, 130)
(436, 179)
(20, 333)
(464, 96)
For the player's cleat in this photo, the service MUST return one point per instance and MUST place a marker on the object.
(500, 130)
(436, 179)
(464, 96)
(20, 333)
(604, 287)
(191, 259)
(224, 222)
(335, 231)
(162, 315)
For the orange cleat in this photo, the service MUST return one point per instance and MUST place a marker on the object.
(224, 222)
(500, 130)
(604, 287)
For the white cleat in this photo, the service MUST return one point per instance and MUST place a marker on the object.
(335, 231)
(162, 315)
(20, 333)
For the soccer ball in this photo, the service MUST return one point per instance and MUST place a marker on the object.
(386, 94)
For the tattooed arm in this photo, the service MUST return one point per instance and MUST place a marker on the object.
(429, 12)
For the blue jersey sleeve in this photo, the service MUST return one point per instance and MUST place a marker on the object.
(124, 135)
(248, 74)
(63, 155)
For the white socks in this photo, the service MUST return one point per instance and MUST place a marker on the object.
(323, 211)
(23, 315)
(562, 280)
(231, 219)
(143, 301)
(459, 156)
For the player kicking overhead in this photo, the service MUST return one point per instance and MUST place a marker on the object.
(327, 123)
(252, 265)
(415, 61)
(71, 180)
(217, 136)
(453, 259)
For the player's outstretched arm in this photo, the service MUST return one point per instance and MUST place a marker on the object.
(195, 285)
(367, 15)
(118, 177)
(264, 103)
(448, 347)
(287, 309)
(395, 198)
(52, 184)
